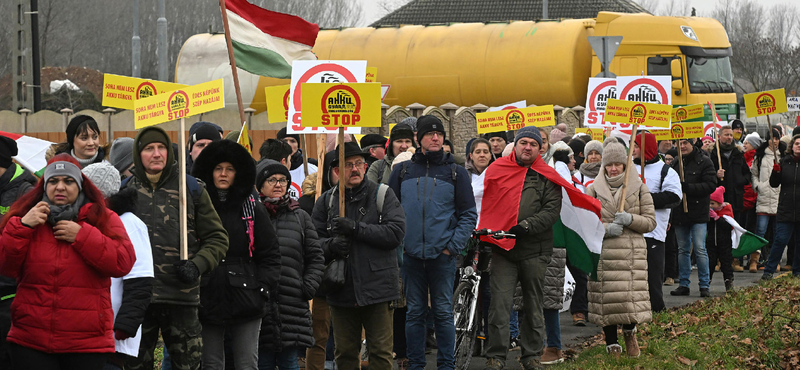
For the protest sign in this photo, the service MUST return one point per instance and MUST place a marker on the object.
(678, 131)
(600, 91)
(372, 74)
(277, 103)
(305, 72)
(341, 105)
(645, 89)
(122, 91)
(793, 103)
(595, 133)
(515, 119)
(765, 103)
(182, 103)
(688, 112)
(636, 113)
(516, 105)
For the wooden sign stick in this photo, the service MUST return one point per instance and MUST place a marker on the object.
(628, 166)
(182, 191)
(341, 171)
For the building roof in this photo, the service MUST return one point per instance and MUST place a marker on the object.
(424, 12)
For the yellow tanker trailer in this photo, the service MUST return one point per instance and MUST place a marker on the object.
(546, 62)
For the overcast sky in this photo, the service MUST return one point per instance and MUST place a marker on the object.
(372, 12)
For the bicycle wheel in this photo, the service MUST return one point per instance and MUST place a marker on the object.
(465, 333)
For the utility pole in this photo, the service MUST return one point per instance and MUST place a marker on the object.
(21, 67)
(136, 44)
(36, 59)
(161, 46)
(545, 14)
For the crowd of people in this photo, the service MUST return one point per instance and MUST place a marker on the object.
(96, 269)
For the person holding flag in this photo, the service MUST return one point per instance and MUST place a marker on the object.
(784, 174)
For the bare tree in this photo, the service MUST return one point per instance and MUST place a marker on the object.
(650, 5)
(388, 6)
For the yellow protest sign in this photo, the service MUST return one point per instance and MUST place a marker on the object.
(765, 103)
(122, 91)
(372, 74)
(595, 133)
(277, 103)
(515, 119)
(687, 112)
(182, 103)
(341, 105)
(679, 131)
(636, 113)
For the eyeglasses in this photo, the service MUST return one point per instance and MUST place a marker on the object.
(272, 182)
(349, 165)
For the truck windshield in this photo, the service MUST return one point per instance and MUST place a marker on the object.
(709, 75)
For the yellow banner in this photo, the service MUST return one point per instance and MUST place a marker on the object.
(372, 74)
(688, 112)
(678, 131)
(765, 103)
(122, 91)
(636, 113)
(277, 103)
(515, 119)
(595, 133)
(341, 105)
(244, 138)
(182, 103)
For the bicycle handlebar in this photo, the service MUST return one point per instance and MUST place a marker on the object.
(494, 234)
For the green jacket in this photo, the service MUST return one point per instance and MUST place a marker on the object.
(540, 208)
(159, 210)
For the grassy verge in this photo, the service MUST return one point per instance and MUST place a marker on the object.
(753, 328)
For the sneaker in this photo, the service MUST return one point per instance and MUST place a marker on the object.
(681, 290)
(552, 356)
(614, 350)
(631, 344)
(579, 319)
(669, 281)
(494, 364)
(704, 292)
(513, 344)
(330, 365)
(532, 364)
(728, 285)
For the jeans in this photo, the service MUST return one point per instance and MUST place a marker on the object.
(166, 361)
(762, 222)
(376, 322)
(244, 345)
(513, 324)
(421, 278)
(553, 328)
(692, 236)
(286, 359)
(783, 232)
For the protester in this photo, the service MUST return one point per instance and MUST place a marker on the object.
(747, 218)
(564, 162)
(296, 161)
(698, 183)
(281, 152)
(63, 245)
(664, 186)
(498, 142)
(718, 243)
(121, 156)
(302, 262)
(366, 238)
(671, 242)
(591, 167)
(784, 174)
(375, 146)
(620, 294)
(438, 230)
(670, 156)
(665, 146)
(447, 146)
(578, 145)
(176, 286)
(479, 156)
(400, 139)
(738, 131)
(545, 151)
(203, 136)
(707, 143)
(83, 141)
(766, 196)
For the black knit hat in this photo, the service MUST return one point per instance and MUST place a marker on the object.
(282, 134)
(74, 123)
(8, 149)
(428, 123)
(501, 134)
(737, 124)
(267, 168)
(204, 132)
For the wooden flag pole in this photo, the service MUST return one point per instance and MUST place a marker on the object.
(184, 253)
(341, 171)
(320, 163)
(772, 139)
(642, 156)
(305, 153)
(628, 166)
(233, 61)
(716, 131)
(680, 167)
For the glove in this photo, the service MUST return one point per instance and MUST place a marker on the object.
(340, 245)
(344, 226)
(623, 218)
(712, 214)
(517, 230)
(613, 230)
(776, 167)
(121, 334)
(187, 271)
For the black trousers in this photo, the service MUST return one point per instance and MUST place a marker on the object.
(580, 299)
(5, 326)
(721, 253)
(24, 358)
(655, 273)
(610, 332)
(671, 255)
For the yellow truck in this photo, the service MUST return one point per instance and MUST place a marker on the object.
(548, 62)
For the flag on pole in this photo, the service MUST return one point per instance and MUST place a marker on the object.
(244, 139)
(743, 241)
(579, 228)
(266, 43)
(31, 151)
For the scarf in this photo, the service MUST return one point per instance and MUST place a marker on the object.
(84, 162)
(67, 212)
(248, 216)
(275, 204)
(590, 169)
(726, 147)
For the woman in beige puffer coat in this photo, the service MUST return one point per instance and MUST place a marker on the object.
(620, 294)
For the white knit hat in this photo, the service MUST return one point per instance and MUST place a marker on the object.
(104, 176)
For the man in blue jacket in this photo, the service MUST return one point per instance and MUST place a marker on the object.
(436, 195)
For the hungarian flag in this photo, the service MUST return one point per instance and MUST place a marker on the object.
(578, 229)
(31, 151)
(266, 43)
(744, 242)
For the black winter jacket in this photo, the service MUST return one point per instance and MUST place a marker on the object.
(14, 183)
(737, 175)
(789, 180)
(301, 273)
(700, 180)
(372, 274)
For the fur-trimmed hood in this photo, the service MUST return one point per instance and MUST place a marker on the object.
(226, 151)
(124, 201)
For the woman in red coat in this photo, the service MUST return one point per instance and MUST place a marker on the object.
(62, 245)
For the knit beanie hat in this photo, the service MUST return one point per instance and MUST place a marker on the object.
(121, 156)
(8, 149)
(282, 135)
(754, 139)
(707, 138)
(267, 168)
(614, 153)
(578, 146)
(562, 146)
(796, 130)
(152, 136)
(650, 145)
(410, 122)
(718, 195)
(428, 123)
(557, 135)
(72, 127)
(63, 168)
(104, 176)
(593, 145)
(531, 132)
(500, 134)
(204, 132)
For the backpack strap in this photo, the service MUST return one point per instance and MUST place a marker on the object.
(454, 172)
(403, 171)
(664, 172)
(381, 168)
(380, 198)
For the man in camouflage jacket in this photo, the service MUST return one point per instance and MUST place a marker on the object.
(176, 287)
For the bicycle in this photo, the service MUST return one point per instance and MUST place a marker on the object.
(465, 298)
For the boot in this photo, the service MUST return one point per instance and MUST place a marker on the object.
(716, 269)
(737, 267)
(614, 350)
(728, 285)
(754, 262)
(631, 344)
(551, 356)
